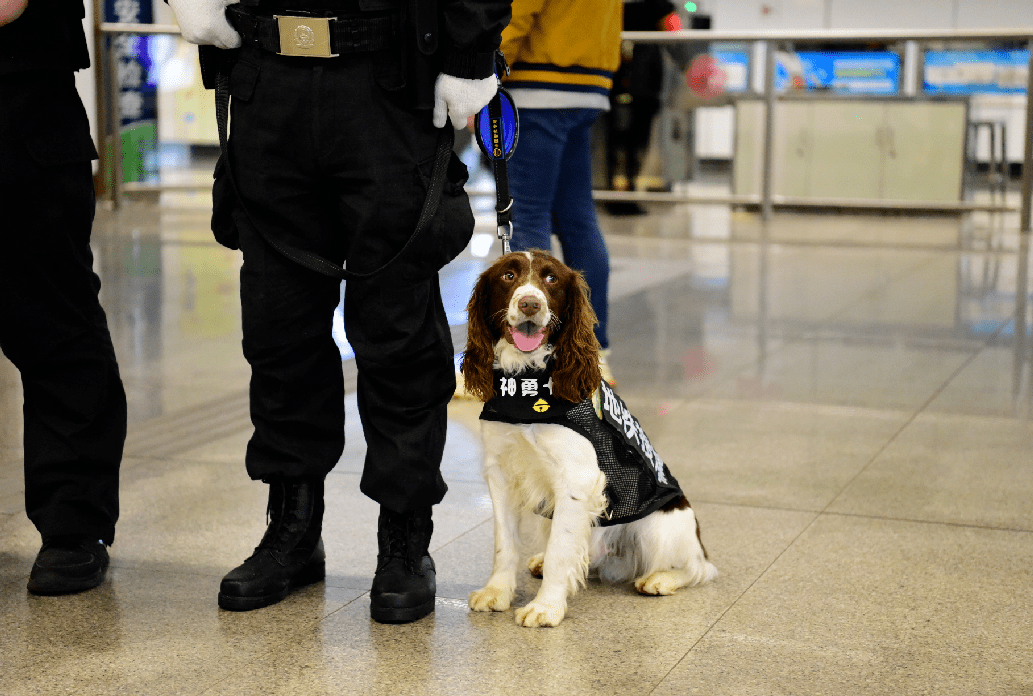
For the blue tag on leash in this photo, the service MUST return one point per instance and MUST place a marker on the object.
(497, 133)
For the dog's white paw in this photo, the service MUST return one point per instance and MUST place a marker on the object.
(662, 582)
(535, 564)
(490, 599)
(538, 614)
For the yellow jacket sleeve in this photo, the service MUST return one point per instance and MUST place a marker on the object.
(514, 36)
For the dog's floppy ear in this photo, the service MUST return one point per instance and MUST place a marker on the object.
(577, 351)
(479, 355)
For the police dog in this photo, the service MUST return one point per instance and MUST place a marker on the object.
(557, 441)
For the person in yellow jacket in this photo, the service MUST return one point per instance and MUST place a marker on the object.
(562, 55)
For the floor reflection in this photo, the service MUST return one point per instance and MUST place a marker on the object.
(845, 398)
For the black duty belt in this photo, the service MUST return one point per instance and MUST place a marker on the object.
(316, 37)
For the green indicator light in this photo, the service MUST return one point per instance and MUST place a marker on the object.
(690, 6)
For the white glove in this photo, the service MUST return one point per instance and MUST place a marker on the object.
(459, 98)
(204, 22)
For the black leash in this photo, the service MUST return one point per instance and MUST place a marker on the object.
(503, 201)
(315, 262)
(502, 121)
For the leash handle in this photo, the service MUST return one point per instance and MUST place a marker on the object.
(497, 128)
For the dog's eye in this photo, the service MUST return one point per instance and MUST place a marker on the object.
(508, 275)
(550, 278)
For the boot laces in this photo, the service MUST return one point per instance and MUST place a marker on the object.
(285, 528)
(399, 532)
(396, 533)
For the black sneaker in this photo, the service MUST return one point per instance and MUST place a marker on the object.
(66, 565)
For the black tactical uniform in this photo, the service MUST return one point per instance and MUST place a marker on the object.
(52, 326)
(333, 156)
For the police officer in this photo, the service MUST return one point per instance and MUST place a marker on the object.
(52, 326)
(336, 114)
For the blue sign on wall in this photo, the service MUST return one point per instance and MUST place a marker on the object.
(136, 96)
(736, 65)
(851, 72)
(975, 72)
(137, 102)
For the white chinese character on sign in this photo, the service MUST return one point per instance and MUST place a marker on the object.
(125, 46)
(610, 403)
(508, 386)
(639, 435)
(654, 459)
(529, 387)
(628, 422)
(131, 105)
(130, 74)
(548, 385)
(127, 10)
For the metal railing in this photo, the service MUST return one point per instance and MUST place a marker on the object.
(769, 41)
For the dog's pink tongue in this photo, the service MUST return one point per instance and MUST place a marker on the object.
(528, 343)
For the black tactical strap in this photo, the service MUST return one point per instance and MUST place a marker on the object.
(315, 262)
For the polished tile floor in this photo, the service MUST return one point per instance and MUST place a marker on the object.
(846, 400)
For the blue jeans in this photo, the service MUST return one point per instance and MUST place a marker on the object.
(550, 178)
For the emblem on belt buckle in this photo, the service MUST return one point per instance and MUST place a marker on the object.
(304, 36)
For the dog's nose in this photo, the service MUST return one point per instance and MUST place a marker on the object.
(529, 305)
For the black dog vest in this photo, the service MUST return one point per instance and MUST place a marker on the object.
(637, 481)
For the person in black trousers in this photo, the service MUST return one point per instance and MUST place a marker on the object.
(52, 326)
(634, 101)
(336, 112)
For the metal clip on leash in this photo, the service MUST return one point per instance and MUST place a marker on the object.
(505, 231)
(497, 128)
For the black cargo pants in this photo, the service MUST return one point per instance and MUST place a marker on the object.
(328, 158)
(52, 326)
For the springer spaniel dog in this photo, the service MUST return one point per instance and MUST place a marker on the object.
(563, 457)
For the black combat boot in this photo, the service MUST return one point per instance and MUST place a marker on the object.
(404, 586)
(290, 554)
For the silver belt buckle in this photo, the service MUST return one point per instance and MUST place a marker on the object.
(304, 36)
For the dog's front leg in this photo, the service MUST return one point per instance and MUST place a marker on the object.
(498, 593)
(579, 499)
(566, 562)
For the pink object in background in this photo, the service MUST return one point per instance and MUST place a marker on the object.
(706, 78)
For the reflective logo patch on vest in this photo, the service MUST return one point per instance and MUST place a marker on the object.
(526, 396)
